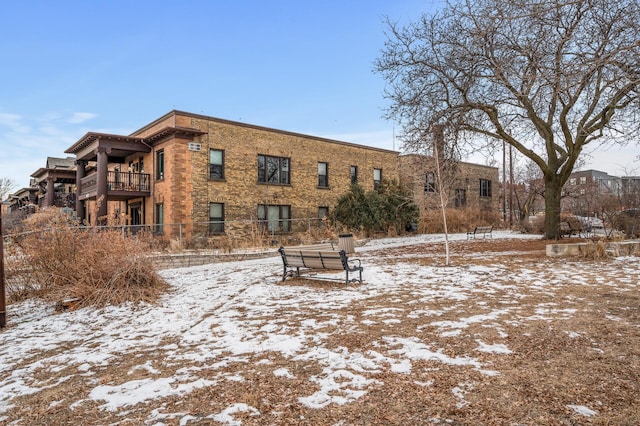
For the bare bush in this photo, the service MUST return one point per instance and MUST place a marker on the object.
(458, 220)
(58, 260)
(596, 250)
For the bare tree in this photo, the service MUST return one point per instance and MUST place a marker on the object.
(552, 78)
(6, 187)
(528, 188)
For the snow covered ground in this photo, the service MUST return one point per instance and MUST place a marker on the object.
(236, 313)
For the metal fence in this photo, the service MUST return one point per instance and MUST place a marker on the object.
(219, 234)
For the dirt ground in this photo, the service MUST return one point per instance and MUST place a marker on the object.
(573, 344)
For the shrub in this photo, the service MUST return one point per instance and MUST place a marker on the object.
(56, 259)
(388, 208)
(458, 220)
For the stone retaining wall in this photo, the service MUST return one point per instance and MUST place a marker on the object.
(621, 248)
(185, 259)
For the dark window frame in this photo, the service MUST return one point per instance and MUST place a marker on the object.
(159, 212)
(274, 170)
(353, 174)
(216, 171)
(460, 197)
(485, 188)
(377, 182)
(430, 182)
(323, 179)
(159, 164)
(283, 223)
(216, 223)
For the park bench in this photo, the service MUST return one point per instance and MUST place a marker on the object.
(565, 228)
(314, 260)
(480, 230)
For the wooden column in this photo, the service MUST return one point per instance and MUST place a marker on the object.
(80, 173)
(50, 197)
(101, 190)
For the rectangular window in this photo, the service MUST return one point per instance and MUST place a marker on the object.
(461, 197)
(273, 170)
(377, 177)
(572, 181)
(323, 175)
(216, 218)
(159, 218)
(275, 218)
(216, 164)
(160, 164)
(485, 188)
(430, 182)
(323, 213)
(583, 179)
(354, 175)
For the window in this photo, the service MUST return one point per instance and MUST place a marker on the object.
(216, 218)
(485, 188)
(461, 197)
(275, 218)
(583, 180)
(323, 175)
(160, 164)
(572, 181)
(216, 164)
(377, 177)
(430, 182)
(323, 212)
(273, 170)
(354, 175)
(160, 218)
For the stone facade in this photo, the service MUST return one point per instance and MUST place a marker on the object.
(467, 185)
(185, 190)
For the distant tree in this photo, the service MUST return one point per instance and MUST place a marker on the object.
(6, 187)
(549, 77)
(528, 188)
(389, 205)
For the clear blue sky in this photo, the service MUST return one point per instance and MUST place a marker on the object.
(69, 67)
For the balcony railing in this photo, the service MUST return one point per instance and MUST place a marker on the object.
(120, 182)
(125, 181)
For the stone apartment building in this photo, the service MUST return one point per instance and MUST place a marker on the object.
(469, 185)
(215, 175)
(193, 176)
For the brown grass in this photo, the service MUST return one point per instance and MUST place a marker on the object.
(56, 260)
(589, 356)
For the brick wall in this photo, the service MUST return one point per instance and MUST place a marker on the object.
(465, 176)
(186, 189)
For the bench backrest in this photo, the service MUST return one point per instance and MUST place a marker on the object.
(314, 259)
(480, 229)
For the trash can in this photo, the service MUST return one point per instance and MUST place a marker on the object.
(346, 243)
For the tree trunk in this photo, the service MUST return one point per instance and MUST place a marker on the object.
(552, 195)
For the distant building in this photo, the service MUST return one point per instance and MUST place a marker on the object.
(587, 192)
(472, 186)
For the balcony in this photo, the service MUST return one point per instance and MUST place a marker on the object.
(120, 185)
(60, 199)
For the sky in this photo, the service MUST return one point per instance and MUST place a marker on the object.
(113, 66)
(188, 342)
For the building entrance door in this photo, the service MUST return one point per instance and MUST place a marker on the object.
(135, 217)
